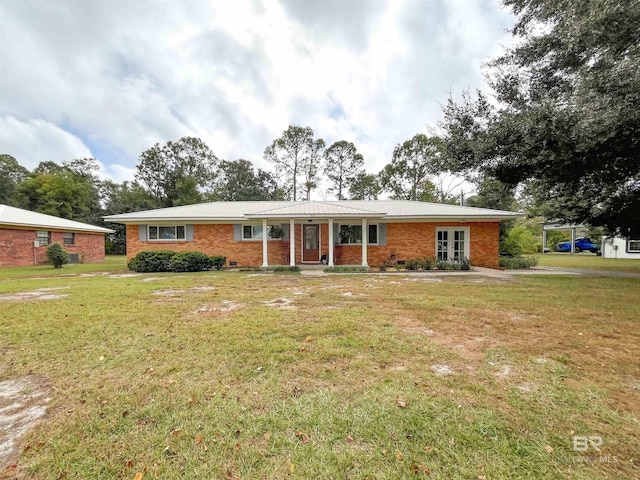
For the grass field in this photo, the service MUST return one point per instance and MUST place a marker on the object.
(262, 376)
(588, 261)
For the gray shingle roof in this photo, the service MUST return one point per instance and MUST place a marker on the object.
(385, 209)
(12, 216)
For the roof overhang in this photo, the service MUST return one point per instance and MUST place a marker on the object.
(38, 226)
(255, 217)
(315, 215)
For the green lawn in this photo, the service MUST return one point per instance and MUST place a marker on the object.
(259, 376)
(589, 261)
(112, 263)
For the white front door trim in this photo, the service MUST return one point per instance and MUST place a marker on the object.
(302, 260)
(450, 232)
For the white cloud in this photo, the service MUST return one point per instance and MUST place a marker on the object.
(34, 141)
(125, 75)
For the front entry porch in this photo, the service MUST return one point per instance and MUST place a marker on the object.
(311, 242)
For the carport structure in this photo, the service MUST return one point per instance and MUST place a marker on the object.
(552, 226)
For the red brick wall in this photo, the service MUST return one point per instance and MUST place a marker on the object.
(406, 240)
(16, 247)
(413, 240)
(212, 240)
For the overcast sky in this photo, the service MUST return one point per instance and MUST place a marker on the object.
(109, 79)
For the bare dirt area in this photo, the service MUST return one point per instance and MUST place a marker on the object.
(281, 303)
(33, 295)
(222, 308)
(175, 292)
(23, 404)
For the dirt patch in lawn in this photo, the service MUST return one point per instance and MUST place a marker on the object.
(222, 308)
(23, 403)
(282, 303)
(39, 294)
(596, 356)
(412, 326)
(109, 275)
(156, 279)
(175, 292)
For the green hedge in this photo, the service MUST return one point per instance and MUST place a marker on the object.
(152, 261)
(168, 261)
(190, 262)
(428, 263)
(518, 263)
(425, 263)
(218, 261)
(339, 269)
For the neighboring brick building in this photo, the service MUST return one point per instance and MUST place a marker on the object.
(25, 235)
(393, 229)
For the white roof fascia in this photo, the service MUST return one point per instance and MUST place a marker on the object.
(59, 228)
(167, 220)
(255, 217)
(21, 218)
(456, 218)
(316, 215)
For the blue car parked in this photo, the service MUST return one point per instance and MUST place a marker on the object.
(582, 243)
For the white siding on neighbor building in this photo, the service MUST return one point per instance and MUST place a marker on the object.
(616, 247)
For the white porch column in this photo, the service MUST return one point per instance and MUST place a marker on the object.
(265, 251)
(573, 240)
(330, 242)
(365, 241)
(544, 241)
(292, 242)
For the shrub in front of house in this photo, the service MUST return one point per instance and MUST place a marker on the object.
(190, 262)
(152, 261)
(426, 263)
(218, 261)
(448, 265)
(57, 255)
(454, 265)
(518, 263)
(413, 264)
(168, 261)
(346, 269)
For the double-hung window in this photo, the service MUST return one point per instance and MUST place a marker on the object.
(352, 234)
(252, 232)
(167, 232)
(452, 243)
(43, 237)
(633, 246)
(69, 238)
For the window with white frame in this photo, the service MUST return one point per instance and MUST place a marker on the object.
(167, 232)
(254, 232)
(43, 237)
(69, 238)
(352, 234)
(633, 246)
(452, 243)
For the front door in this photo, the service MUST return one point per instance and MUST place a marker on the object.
(311, 243)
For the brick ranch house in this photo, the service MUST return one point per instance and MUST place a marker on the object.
(25, 235)
(299, 233)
